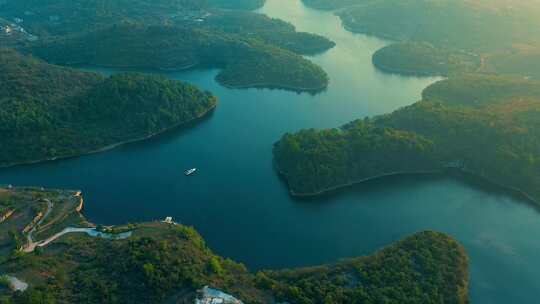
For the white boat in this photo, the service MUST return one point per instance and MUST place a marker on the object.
(190, 171)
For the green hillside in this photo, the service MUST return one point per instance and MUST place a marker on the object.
(485, 125)
(245, 62)
(167, 263)
(50, 112)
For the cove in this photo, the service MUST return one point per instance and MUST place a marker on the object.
(242, 208)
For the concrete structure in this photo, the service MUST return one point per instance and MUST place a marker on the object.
(209, 295)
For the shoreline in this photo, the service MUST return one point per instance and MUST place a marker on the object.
(78, 65)
(197, 65)
(114, 145)
(448, 171)
(327, 190)
(350, 29)
(407, 73)
(263, 85)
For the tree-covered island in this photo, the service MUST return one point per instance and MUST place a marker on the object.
(70, 260)
(49, 112)
(484, 125)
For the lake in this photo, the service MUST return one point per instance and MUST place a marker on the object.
(242, 208)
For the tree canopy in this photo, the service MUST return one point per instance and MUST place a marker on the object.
(48, 111)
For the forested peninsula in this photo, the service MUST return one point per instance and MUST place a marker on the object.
(484, 125)
(49, 112)
(424, 59)
(245, 62)
(70, 260)
(251, 49)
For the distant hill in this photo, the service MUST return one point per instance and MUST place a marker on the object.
(500, 33)
(49, 112)
(447, 23)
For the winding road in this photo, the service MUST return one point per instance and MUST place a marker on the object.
(31, 245)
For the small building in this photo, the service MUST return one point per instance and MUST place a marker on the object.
(168, 220)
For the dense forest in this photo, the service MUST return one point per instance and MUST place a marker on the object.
(269, 30)
(389, 276)
(252, 49)
(167, 263)
(485, 125)
(245, 61)
(48, 111)
(314, 161)
(163, 263)
(422, 58)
